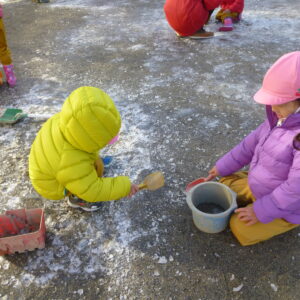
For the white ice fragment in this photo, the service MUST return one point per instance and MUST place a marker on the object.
(171, 258)
(156, 273)
(216, 254)
(274, 287)
(4, 282)
(238, 288)
(232, 277)
(155, 256)
(162, 260)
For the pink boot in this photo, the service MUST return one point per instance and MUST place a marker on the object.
(227, 25)
(10, 75)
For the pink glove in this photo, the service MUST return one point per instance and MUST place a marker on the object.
(1, 12)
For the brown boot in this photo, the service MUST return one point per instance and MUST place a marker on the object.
(1, 79)
(201, 34)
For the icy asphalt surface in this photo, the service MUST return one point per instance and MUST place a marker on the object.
(183, 103)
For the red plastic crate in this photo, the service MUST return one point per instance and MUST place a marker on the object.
(21, 230)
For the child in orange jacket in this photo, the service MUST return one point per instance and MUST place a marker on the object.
(5, 57)
(229, 13)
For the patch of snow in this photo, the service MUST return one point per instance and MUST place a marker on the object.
(238, 288)
(137, 47)
(131, 156)
(274, 287)
(80, 292)
(162, 260)
(9, 1)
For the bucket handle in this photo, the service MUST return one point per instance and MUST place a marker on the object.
(193, 183)
(234, 195)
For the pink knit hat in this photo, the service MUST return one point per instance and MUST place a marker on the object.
(281, 83)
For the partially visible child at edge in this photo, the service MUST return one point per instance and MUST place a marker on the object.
(229, 13)
(188, 17)
(64, 155)
(270, 192)
(5, 57)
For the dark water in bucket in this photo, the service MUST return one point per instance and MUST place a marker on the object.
(210, 208)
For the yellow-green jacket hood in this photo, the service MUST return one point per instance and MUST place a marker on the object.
(89, 119)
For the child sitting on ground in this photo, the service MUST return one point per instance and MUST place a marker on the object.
(64, 156)
(270, 192)
(5, 57)
(230, 12)
(187, 17)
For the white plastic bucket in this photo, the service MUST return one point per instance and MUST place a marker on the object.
(214, 194)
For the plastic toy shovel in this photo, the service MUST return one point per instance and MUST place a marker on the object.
(153, 181)
(11, 115)
(193, 183)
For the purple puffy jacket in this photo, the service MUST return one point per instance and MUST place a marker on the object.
(274, 174)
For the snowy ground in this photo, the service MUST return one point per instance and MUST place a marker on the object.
(183, 103)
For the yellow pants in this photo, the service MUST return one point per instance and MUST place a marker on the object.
(249, 235)
(5, 57)
(221, 15)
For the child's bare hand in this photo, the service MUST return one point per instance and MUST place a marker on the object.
(133, 190)
(212, 174)
(247, 215)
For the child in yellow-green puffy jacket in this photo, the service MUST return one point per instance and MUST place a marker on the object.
(64, 155)
(5, 57)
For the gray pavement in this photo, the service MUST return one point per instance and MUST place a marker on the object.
(183, 103)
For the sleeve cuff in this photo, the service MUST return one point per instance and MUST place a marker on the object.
(266, 210)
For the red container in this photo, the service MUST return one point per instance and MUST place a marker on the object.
(21, 230)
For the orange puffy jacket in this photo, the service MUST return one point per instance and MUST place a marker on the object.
(186, 17)
(233, 5)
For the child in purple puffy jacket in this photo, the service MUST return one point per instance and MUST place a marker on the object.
(269, 194)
